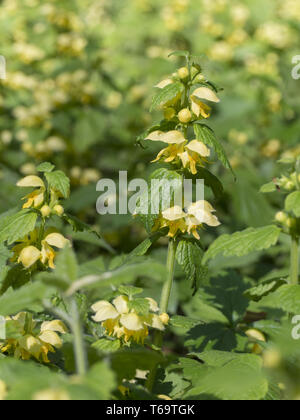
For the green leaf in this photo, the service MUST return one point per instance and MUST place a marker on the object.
(207, 136)
(268, 188)
(140, 305)
(130, 290)
(142, 248)
(220, 376)
(287, 298)
(264, 289)
(189, 256)
(28, 297)
(292, 203)
(59, 182)
(45, 167)
(183, 322)
(17, 226)
(66, 267)
(211, 181)
(243, 243)
(4, 255)
(179, 53)
(167, 94)
(107, 346)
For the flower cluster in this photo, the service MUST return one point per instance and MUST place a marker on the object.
(187, 220)
(121, 320)
(31, 344)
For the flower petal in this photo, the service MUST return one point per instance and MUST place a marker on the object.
(206, 93)
(164, 83)
(57, 240)
(51, 337)
(29, 256)
(55, 325)
(131, 322)
(31, 181)
(198, 147)
(153, 305)
(170, 137)
(174, 213)
(104, 310)
(121, 304)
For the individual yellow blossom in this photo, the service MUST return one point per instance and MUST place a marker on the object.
(48, 254)
(51, 395)
(198, 106)
(189, 221)
(195, 154)
(121, 322)
(3, 390)
(27, 253)
(30, 343)
(36, 198)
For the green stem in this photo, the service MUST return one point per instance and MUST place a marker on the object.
(294, 260)
(79, 347)
(164, 303)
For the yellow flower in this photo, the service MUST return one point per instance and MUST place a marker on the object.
(189, 221)
(36, 198)
(29, 256)
(198, 106)
(195, 153)
(121, 322)
(48, 254)
(30, 344)
(3, 390)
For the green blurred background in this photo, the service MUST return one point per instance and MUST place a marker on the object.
(80, 77)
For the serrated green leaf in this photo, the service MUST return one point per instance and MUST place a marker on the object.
(17, 226)
(179, 53)
(268, 188)
(4, 255)
(243, 243)
(45, 167)
(66, 267)
(292, 203)
(130, 290)
(142, 249)
(59, 182)
(287, 298)
(167, 94)
(140, 305)
(264, 289)
(107, 346)
(189, 256)
(207, 136)
(184, 322)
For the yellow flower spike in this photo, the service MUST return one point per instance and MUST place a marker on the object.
(29, 256)
(3, 390)
(170, 137)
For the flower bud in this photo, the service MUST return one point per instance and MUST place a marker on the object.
(291, 223)
(29, 256)
(183, 73)
(185, 116)
(59, 210)
(169, 113)
(164, 318)
(289, 186)
(281, 217)
(46, 211)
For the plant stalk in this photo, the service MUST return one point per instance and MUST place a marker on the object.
(164, 303)
(79, 347)
(294, 260)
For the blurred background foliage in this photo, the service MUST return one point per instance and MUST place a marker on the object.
(78, 91)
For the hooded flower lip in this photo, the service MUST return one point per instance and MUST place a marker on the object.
(189, 221)
(29, 256)
(123, 323)
(170, 137)
(48, 254)
(164, 83)
(31, 344)
(196, 153)
(36, 198)
(198, 106)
